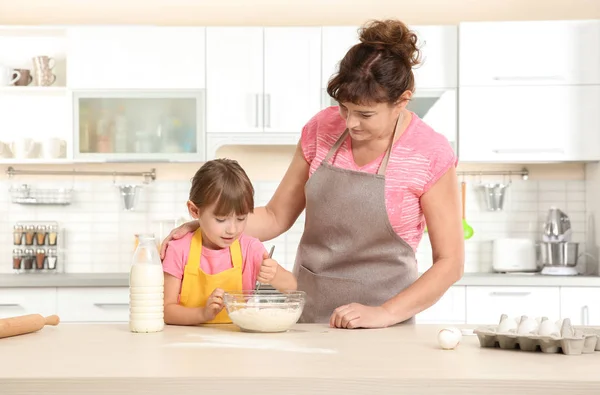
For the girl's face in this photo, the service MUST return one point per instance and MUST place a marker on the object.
(218, 232)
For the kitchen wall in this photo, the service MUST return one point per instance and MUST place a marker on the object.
(99, 234)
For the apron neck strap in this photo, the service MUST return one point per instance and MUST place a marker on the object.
(336, 146)
(386, 158)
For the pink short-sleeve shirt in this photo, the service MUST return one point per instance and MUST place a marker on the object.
(417, 161)
(215, 261)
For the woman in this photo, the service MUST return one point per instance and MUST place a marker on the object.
(369, 173)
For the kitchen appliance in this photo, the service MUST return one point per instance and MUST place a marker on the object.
(514, 255)
(21, 325)
(558, 254)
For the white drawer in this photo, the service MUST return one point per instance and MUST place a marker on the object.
(93, 304)
(21, 301)
(450, 309)
(485, 305)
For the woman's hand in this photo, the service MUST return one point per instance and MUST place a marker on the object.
(178, 233)
(356, 315)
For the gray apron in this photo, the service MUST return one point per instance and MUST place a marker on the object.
(349, 251)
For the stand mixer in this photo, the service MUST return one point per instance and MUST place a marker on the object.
(557, 252)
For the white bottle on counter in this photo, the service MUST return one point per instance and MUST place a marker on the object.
(146, 288)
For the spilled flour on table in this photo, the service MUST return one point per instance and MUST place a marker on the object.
(249, 342)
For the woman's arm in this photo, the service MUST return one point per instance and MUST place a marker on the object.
(442, 209)
(285, 206)
(277, 216)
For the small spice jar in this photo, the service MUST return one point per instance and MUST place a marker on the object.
(52, 234)
(40, 235)
(28, 258)
(40, 258)
(18, 234)
(51, 258)
(29, 234)
(17, 258)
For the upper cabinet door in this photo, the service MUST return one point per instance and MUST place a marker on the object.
(292, 77)
(529, 123)
(136, 58)
(439, 57)
(336, 41)
(234, 70)
(529, 53)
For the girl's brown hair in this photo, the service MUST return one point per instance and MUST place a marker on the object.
(225, 182)
(379, 68)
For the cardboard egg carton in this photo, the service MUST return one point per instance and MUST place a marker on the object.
(565, 339)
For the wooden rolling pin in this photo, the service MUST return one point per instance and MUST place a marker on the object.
(25, 324)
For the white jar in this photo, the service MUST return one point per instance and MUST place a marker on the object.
(146, 288)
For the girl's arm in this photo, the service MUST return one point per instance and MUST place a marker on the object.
(176, 314)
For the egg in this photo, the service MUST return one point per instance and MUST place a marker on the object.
(548, 328)
(527, 325)
(507, 325)
(449, 338)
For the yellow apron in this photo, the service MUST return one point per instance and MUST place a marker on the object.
(198, 285)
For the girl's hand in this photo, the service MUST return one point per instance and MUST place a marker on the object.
(214, 304)
(268, 269)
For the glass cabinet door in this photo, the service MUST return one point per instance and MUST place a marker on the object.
(147, 125)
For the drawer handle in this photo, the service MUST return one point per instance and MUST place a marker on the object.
(109, 305)
(528, 78)
(510, 293)
(9, 305)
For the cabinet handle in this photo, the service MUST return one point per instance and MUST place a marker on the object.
(529, 151)
(256, 107)
(529, 78)
(9, 305)
(267, 110)
(507, 293)
(585, 316)
(102, 305)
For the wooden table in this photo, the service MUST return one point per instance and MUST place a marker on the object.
(106, 359)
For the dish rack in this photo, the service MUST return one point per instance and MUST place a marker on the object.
(37, 196)
(569, 340)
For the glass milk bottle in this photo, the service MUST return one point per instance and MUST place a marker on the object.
(146, 288)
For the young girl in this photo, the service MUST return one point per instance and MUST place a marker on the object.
(217, 257)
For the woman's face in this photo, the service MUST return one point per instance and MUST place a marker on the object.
(371, 122)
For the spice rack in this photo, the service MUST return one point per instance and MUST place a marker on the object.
(37, 247)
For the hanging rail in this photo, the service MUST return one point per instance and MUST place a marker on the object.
(524, 173)
(148, 175)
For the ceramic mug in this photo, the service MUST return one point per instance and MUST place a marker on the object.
(53, 148)
(8, 76)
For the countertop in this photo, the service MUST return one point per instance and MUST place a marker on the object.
(10, 280)
(102, 359)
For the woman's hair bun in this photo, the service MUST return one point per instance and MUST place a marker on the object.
(393, 36)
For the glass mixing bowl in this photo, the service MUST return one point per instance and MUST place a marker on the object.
(264, 310)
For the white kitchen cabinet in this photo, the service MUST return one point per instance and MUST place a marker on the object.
(450, 309)
(529, 123)
(124, 125)
(485, 304)
(22, 301)
(529, 53)
(136, 57)
(580, 305)
(336, 41)
(262, 79)
(439, 57)
(110, 304)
